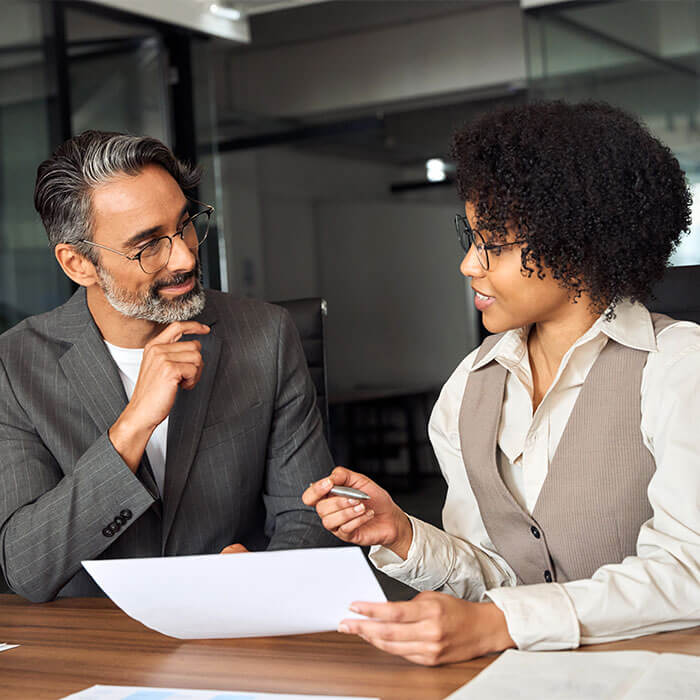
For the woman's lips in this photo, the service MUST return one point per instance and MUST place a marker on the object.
(482, 301)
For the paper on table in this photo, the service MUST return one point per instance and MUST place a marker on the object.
(5, 647)
(670, 677)
(116, 692)
(239, 595)
(603, 675)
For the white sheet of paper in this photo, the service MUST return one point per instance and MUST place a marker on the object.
(258, 594)
(5, 647)
(118, 692)
(603, 675)
(671, 677)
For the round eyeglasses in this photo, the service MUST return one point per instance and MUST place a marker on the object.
(468, 237)
(155, 254)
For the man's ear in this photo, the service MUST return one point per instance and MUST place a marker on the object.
(75, 265)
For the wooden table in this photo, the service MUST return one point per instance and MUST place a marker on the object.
(72, 644)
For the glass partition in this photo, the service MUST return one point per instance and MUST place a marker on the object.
(30, 280)
(641, 56)
(205, 116)
(69, 67)
(118, 76)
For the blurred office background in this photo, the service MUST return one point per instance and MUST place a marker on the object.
(324, 128)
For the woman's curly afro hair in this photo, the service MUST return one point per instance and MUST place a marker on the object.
(596, 199)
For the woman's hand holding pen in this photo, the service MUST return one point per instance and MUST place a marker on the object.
(433, 628)
(378, 521)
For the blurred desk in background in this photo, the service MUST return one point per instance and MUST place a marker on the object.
(373, 426)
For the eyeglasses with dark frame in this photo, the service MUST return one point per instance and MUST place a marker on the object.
(468, 237)
(155, 255)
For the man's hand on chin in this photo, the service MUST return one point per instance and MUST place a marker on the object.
(234, 549)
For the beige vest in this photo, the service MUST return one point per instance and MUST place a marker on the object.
(594, 498)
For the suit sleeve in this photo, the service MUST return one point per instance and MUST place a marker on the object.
(51, 521)
(297, 451)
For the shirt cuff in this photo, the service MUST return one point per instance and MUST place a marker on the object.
(429, 562)
(540, 617)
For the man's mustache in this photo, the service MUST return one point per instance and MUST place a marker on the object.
(177, 280)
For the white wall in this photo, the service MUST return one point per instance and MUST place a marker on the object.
(290, 253)
(436, 56)
(193, 15)
(243, 228)
(268, 200)
(314, 225)
(398, 315)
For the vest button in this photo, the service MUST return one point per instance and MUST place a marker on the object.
(535, 532)
(548, 576)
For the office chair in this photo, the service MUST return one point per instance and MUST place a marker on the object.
(678, 294)
(309, 316)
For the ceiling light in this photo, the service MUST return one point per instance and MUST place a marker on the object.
(225, 12)
(435, 170)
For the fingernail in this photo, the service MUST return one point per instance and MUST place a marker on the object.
(359, 509)
(354, 609)
(344, 629)
(352, 501)
(370, 513)
(327, 483)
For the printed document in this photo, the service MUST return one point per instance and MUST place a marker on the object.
(258, 594)
(596, 675)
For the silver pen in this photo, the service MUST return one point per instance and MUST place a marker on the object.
(349, 492)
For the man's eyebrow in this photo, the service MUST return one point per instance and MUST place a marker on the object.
(147, 233)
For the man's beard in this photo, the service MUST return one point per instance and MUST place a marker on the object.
(150, 306)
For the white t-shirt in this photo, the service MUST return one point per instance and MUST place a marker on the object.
(129, 363)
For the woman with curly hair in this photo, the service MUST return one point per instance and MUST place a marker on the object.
(568, 439)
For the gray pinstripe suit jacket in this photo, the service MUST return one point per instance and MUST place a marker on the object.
(242, 446)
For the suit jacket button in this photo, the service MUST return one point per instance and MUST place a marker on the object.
(120, 520)
(535, 532)
(548, 576)
(126, 513)
(107, 532)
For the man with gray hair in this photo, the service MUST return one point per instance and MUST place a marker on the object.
(146, 416)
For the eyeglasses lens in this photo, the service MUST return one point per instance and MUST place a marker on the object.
(468, 237)
(197, 229)
(156, 255)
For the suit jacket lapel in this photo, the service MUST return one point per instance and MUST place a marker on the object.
(91, 371)
(185, 426)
